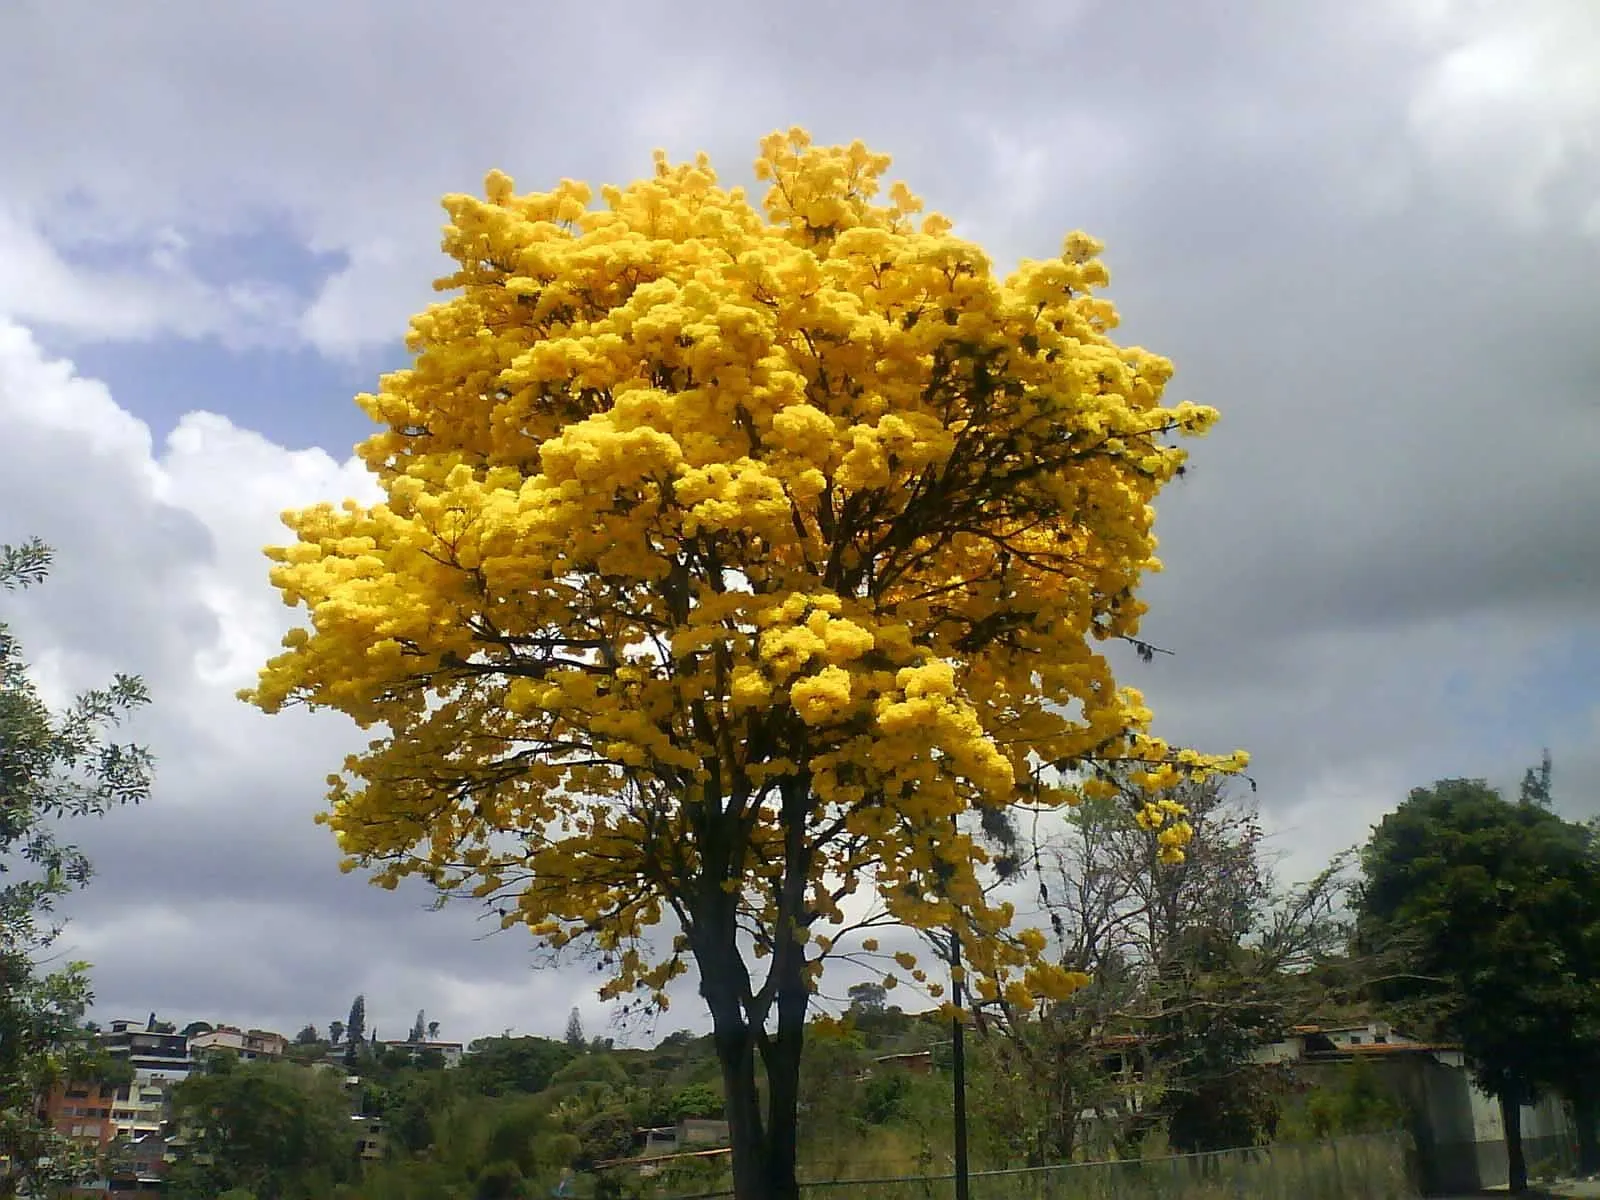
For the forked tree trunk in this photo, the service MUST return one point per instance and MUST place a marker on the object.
(764, 1144)
(736, 1054)
(1511, 1120)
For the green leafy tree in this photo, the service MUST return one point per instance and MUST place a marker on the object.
(278, 1131)
(500, 1180)
(53, 767)
(697, 1100)
(410, 1106)
(355, 1031)
(1493, 908)
(502, 1065)
(307, 1036)
(335, 1032)
(1353, 1102)
(419, 1028)
(575, 1037)
(868, 996)
(1536, 783)
(604, 1136)
(830, 1120)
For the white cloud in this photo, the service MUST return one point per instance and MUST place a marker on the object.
(1511, 105)
(353, 158)
(219, 898)
(136, 301)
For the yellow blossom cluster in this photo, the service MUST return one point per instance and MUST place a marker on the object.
(736, 548)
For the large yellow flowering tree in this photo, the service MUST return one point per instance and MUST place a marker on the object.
(730, 554)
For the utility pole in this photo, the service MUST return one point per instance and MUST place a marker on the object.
(958, 1054)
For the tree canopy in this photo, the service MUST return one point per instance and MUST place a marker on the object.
(1494, 908)
(53, 766)
(1192, 966)
(729, 554)
(274, 1130)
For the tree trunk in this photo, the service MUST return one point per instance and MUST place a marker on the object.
(736, 1054)
(764, 1147)
(1511, 1120)
(782, 1061)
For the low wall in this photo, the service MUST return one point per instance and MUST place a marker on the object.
(1456, 1127)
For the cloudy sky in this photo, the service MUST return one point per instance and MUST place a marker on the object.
(1368, 232)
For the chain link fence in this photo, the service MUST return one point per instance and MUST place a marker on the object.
(1378, 1167)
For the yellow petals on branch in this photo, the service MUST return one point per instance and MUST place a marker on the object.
(822, 697)
(716, 525)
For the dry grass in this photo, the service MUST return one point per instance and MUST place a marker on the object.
(1374, 1168)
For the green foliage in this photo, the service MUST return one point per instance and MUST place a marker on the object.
(280, 1131)
(1492, 910)
(1191, 966)
(868, 996)
(53, 767)
(311, 1051)
(606, 1135)
(355, 1031)
(500, 1181)
(1353, 1101)
(590, 1081)
(498, 1066)
(410, 1106)
(697, 1100)
(885, 1097)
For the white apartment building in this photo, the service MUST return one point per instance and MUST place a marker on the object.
(251, 1045)
(159, 1061)
(450, 1052)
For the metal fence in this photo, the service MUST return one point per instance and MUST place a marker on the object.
(1375, 1168)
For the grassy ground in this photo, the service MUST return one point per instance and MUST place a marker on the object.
(1373, 1168)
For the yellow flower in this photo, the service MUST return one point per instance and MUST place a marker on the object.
(823, 696)
(720, 529)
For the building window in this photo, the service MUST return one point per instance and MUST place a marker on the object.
(1355, 1039)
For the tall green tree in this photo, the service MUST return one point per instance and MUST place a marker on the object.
(279, 1132)
(355, 1030)
(1494, 908)
(53, 766)
(501, 1065)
